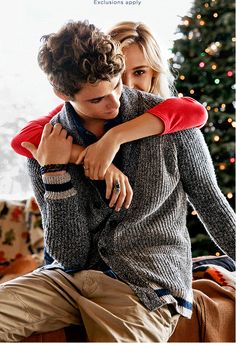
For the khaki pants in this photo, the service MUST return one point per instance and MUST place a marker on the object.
(47, 300)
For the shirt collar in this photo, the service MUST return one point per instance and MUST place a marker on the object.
(88, 136)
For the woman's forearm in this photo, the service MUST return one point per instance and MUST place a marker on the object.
(143, 126)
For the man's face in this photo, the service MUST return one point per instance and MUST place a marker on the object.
(99, 101)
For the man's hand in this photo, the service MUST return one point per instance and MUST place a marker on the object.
(54, 148)
(98, 156)
(118, 188)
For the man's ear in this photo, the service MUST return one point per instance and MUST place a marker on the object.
(61, 95)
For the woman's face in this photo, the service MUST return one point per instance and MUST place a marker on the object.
(138, 74)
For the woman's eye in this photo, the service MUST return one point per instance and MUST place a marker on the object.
(139, 72)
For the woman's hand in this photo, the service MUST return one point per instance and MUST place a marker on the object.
(118, 188)
(54, 148)
(98, 156)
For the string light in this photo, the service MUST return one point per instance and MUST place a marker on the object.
(206, 5)
(229, 120)
(214, 66)
(222, 166)
(216, 109)
(202, 22)
(216, 138)
(217, 253)
(191, 91)
(182, 77)
(217, 81)
(230, 73)
(186, 22)
(233, 124)
(208, 108)
(233, 39)
(199, 16)
(230, 195)
(193, 213)
(232, 159)
(215, 15)
(190, 35)
(223, 106)
(213, 48)
(180, 95)
(202, 64)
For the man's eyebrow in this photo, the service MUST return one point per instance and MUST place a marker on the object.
(101, 97)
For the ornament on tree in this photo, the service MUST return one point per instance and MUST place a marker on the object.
(213, 48)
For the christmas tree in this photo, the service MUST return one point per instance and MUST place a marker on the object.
(205, 60)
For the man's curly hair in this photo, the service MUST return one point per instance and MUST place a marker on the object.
(77, 54)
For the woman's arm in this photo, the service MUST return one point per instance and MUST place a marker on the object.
(171, 115)
(180, 114)
(174, 114)
(32, 132)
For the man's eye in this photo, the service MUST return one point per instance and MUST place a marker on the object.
(95, 101)
(139, 72)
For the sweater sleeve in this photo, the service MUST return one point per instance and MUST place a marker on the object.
(180, 114)
(199, 182)
(58, 203)
(32, 132)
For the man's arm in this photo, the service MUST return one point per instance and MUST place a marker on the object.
(58, 200)
(199, 182)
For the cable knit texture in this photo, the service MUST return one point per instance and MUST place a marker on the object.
(148, 245)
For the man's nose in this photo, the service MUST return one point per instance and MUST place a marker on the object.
(114, 101)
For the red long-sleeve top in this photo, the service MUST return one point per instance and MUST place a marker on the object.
(176, 113)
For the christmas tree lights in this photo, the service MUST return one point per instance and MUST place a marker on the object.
(204, 57)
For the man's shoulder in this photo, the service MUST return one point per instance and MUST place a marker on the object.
(134, 102)
(186, 138)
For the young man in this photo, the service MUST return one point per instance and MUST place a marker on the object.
(125, 274)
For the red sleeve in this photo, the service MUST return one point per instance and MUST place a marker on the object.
(32, 132)
(180, 114)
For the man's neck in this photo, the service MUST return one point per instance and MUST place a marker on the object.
(95, 126)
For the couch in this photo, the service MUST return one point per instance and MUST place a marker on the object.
(21, 251)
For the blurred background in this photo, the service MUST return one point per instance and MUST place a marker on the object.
(198, 37)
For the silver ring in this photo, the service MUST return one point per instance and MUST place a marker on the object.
(116, 186)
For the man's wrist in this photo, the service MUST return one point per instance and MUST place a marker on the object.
(75, 152)
(62, 172)
(53, 169)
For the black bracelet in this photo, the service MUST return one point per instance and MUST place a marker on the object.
(49, 168)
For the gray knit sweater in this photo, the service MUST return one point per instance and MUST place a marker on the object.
(148, 245)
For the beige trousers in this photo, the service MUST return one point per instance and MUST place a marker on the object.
(47, 300)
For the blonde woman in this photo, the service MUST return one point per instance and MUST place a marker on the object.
(145, 67)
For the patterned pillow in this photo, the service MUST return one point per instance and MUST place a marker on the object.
(21, 231)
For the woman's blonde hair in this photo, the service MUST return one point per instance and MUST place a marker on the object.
(127, 33)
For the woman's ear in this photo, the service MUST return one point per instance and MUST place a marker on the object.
(61, 95)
